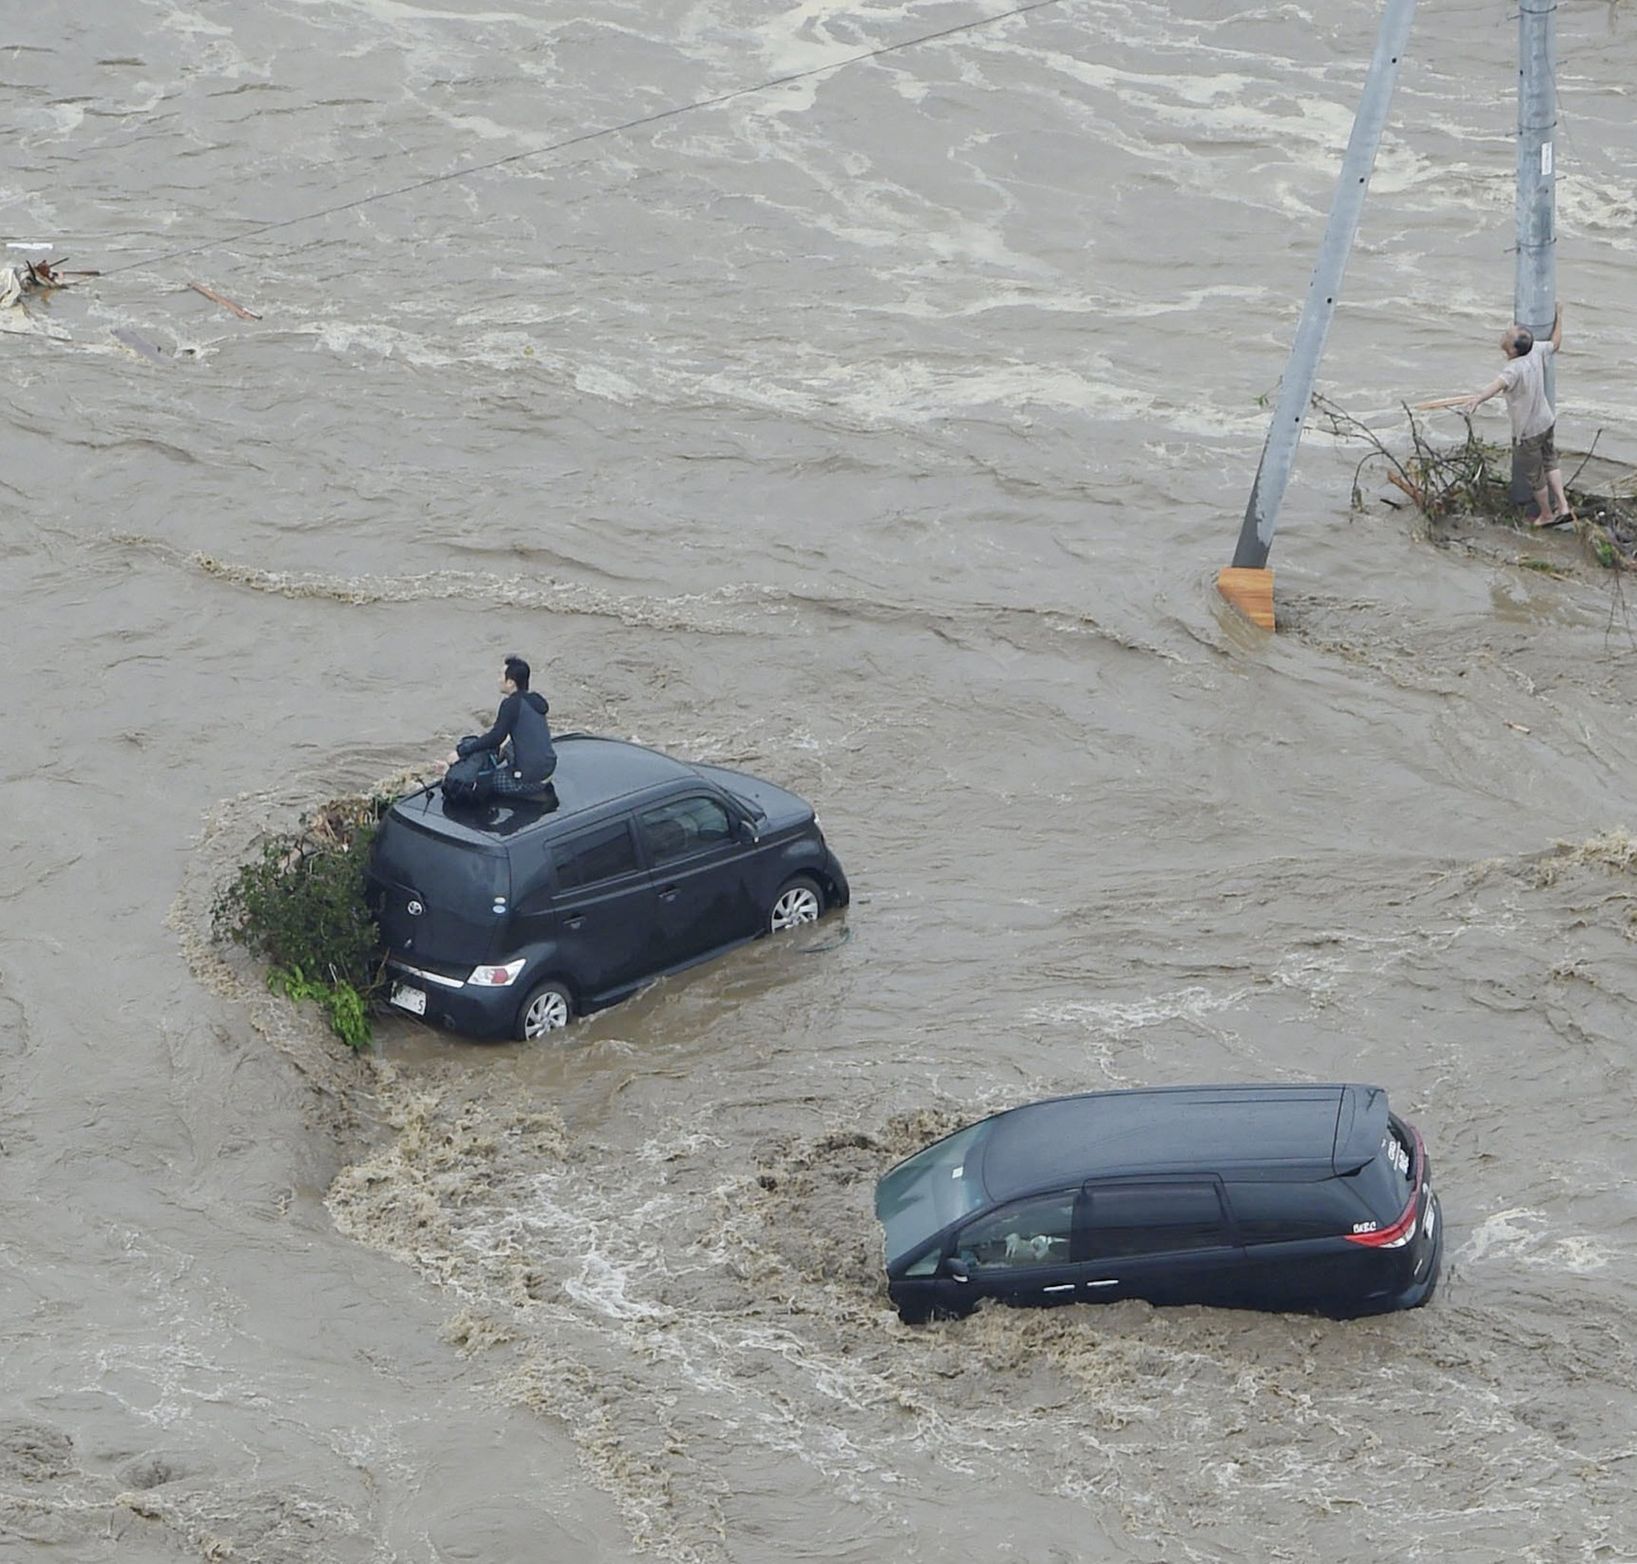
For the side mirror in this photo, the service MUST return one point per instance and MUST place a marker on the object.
(955, 1269)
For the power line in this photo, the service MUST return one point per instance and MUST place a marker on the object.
(582, 138)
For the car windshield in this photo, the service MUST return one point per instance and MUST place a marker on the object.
(928, 1191)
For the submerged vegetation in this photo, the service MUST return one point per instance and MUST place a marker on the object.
(300, 905)
(1472, 478)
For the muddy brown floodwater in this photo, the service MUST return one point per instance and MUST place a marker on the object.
(880, 432)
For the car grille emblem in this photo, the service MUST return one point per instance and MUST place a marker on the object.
(416, 909)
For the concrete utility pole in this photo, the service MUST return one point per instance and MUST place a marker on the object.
(1247, 583)
(1534, 296)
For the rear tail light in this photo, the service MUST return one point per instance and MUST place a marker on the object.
(1394, 1237)
(1402, 1230)
(497, 977)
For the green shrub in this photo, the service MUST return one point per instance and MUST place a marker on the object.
(301, 906)
(341, 1002)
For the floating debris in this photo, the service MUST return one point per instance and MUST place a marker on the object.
(36, 277)
(50, 274)
(1472, 478)
(139, 344)
(31, 278)
(226, 303)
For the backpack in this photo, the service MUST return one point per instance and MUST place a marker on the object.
(469, 780)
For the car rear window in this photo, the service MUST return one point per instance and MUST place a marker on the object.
(1384, 1182)
(1279, 1213)
(453, 874)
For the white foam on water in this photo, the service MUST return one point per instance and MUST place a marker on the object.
(180, 19)
(1600, 207)
(797, 38)
(1527, 1236)
(1194, 1004)
(600, 381)
(65, 119)
(406, 14)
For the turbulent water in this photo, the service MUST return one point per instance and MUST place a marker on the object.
(879, 431)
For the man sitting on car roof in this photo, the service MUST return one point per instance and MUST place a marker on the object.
(520, 738)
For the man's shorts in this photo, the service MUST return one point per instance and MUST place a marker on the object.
(1537, 456)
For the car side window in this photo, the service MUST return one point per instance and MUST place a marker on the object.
(1276, 1213)
(1121, 1220)
(1026, 1233)
(603, 854)
(684, 826)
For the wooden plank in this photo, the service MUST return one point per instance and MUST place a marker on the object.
(1250, 591)
(226, 303)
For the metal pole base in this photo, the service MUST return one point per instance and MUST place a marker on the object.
(1250, 591)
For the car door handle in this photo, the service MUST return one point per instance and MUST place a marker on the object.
(1061, 1287)
(1112, 1282)
(668, 894)
(575, 923)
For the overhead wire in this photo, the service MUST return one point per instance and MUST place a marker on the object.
(580, 139)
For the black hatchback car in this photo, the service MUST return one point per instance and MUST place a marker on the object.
(508, 918)
(1308, 1198)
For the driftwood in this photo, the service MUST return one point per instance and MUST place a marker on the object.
(226, 303)
(1399, 481)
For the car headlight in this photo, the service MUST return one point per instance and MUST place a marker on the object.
(498, 977)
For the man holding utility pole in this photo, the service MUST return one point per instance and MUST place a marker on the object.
(1523, 379)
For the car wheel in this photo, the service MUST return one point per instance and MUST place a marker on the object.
(548, 1009)
(799, 901)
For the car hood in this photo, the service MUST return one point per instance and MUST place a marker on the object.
(782, 809)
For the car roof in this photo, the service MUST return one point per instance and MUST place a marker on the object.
(591, 772)
(1066, 1140)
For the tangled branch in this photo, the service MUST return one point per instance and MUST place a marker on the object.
(1473, 478)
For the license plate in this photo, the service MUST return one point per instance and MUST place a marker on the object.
(407, 998)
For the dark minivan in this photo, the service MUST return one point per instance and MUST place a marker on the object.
(1308, 1198)
(509, 918)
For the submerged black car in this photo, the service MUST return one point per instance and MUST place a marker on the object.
(1311, 1198)
(508, 918)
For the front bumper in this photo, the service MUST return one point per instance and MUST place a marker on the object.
(838, 879)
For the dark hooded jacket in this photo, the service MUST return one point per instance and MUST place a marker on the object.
(522, 719)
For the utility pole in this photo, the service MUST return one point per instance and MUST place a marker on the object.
(1534, 295)
(1248, 583)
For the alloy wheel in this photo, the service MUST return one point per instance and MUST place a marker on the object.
(797, 904)
(547, 1012)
